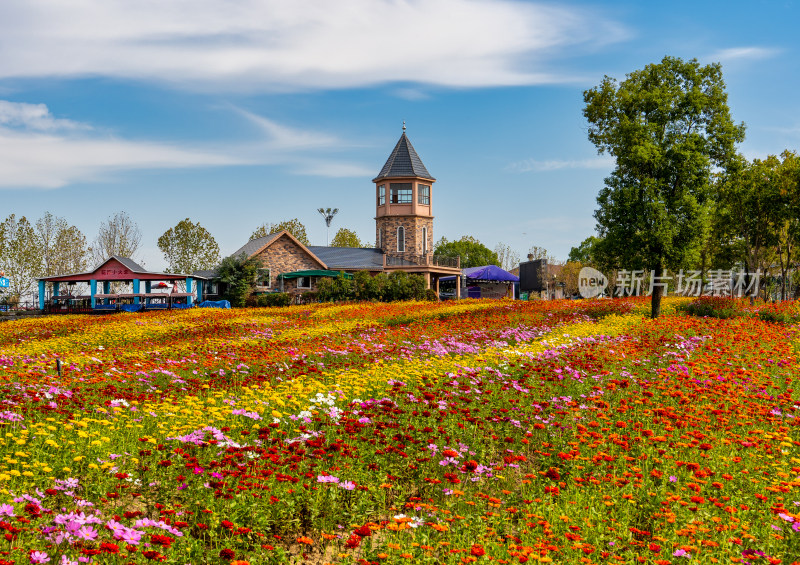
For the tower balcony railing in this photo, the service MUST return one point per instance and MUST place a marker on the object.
(414, 260)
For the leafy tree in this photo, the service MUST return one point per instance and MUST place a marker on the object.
(402, 286)
(189, 247)
(584, 253)
(118, 235)
(568, 274)
(63, 246)
(472, 252)
(20, 256)
(367, 287)
(328, 214)
(507, 258)
(667, 125)
(346, 238)
(238, 274)
(293, 226)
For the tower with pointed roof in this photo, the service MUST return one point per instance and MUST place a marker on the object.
(404, 203)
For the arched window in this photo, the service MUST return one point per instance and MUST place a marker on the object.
(401, 239)
(424, 240)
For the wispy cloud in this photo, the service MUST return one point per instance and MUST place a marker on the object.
(528, 165)
(751, 53)
(33, 116)
(275, 44)
(38, 150)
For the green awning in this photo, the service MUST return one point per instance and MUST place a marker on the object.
(314, 273)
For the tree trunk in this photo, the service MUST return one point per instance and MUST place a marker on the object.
(658, 292)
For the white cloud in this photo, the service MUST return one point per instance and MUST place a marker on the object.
(528, 165)
(275, 44)
(752, 53)
(42, 151)
(33, 116)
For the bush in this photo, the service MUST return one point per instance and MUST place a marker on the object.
(712, 306)
(430, 295)
(275, 299)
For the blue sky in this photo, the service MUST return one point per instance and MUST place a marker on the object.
(249, 111)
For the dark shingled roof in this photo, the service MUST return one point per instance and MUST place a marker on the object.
(349, 258)
(403, 162)
(255, 245)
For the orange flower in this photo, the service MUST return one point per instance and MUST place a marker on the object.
(306, 540)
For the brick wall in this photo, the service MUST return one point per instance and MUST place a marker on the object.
(285, 256)
(413, 233)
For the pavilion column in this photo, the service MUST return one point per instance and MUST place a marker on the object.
(55, 288)
(41, 295)
(200, 290)
(148, 286)
(427, 280)
(136, 290)
(93, 291)
(189, 281)
(437, 289)
(106, 287)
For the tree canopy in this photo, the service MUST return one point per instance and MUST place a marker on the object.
(585, 252)
(293, 226)
(472, 252)
(118, 235)
(346, 238)
(189, 247)
(20, 255)
(63, 247)
(667, 126)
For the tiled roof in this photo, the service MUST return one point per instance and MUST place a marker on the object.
(404, 162)
(349, 258)
(255, 245)
(129, 263)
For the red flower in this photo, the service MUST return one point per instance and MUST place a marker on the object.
(109, 547)
(227, 553)
(163, 541)
(353, 542)
(363, 531)
(153, 555)
(477, 550)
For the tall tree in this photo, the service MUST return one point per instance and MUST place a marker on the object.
(20, 255)
(584, 253)
(346, 238)
(667, 126)
(328, 214)
(189, 247)
(293, 226)
(118, 235)
(63, 246)
(472, 252)
(507, 258)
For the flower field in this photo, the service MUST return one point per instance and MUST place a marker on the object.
(477, 431)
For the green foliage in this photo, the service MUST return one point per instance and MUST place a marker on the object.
(278, 299)
(20, 256)
(472, 252)
(667, 126)
(584, 253)
(367, 287)
(63, 247)
(293, 226)
(430, 295)
(346, 238)
(238, 274)
(363, 286)
(189, 247)
(403, 286)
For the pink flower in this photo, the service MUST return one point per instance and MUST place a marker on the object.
(39, 557)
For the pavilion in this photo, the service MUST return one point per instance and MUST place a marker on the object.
(123, 270)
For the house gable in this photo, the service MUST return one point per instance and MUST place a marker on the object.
(284, 254)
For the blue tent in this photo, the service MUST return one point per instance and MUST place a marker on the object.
(487, 273)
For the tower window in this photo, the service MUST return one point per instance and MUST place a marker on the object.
(424, 194)
(424, 240)
(401, 193)
(382, 195)
(401, 239)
